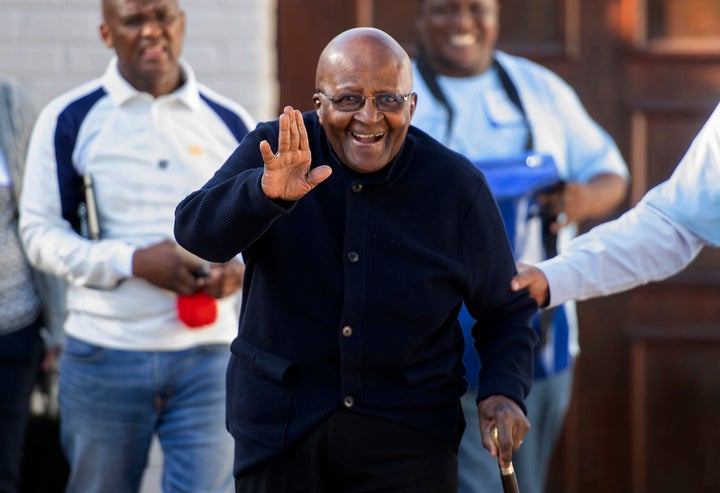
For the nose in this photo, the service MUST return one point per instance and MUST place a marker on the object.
(464, 17)
(368, 111)
(150, 28)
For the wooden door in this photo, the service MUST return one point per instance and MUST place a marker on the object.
(646, 396)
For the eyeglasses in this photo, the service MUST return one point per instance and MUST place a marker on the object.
(384, 101)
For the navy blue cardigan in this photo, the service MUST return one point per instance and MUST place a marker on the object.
(351, 294)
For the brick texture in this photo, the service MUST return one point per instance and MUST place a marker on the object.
(54, 45)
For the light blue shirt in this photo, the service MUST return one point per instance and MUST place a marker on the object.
(487, 124)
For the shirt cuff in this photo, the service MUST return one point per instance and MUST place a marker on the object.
(122, 261)
(559, 278)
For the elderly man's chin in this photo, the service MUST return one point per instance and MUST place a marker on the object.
(367, 158)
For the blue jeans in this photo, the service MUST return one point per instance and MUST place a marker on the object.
(547, 406)
(112, 403)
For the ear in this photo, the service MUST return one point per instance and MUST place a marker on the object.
(106, 35)
(413, 103)
(318, 106)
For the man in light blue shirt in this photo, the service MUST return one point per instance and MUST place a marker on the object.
(655, 239)
(491, 106)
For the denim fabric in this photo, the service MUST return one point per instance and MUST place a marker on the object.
(20, 354)
(112, 402)
(547, 405)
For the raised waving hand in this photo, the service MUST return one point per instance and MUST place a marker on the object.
(288, 174)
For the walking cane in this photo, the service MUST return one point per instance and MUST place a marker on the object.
(507, 474)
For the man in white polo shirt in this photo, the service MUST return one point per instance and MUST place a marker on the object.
(148, 325)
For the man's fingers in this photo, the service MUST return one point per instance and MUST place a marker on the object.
(318, 174)
(303, 143)
(522, 279)
(294, 131)
(284, 133)
(266, 152)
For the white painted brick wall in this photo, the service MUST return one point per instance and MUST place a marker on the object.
(54, 45)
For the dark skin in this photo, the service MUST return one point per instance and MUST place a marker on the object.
(459, 38)
(531, 278)
(147, 36)
(365, 141)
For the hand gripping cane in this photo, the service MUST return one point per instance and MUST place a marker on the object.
(507, 474)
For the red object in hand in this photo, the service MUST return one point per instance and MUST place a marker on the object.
(197, 310)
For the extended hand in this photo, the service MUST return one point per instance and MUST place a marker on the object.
(534, 280)
(223, 279)
(287, 174)
(512, 426)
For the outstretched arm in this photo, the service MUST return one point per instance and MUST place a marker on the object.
(641, 246)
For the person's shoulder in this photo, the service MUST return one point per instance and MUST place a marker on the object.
(435, 153)
(214, 98)
(15, 93)
(522, 67)
(428, 144)
(84, 95)
(11, 84)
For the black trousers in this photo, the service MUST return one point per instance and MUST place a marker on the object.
(351, 452)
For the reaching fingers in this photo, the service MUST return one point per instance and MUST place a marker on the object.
(534, 280)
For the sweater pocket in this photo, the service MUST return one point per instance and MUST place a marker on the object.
(258, 401)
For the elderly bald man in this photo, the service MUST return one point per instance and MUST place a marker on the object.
(361, 236)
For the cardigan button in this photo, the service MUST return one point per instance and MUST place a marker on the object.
(348, 401)
(347, 331)
(353, 257)
(357, 188)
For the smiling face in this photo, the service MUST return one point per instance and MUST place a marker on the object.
(147, 36)
(459, 36)
(364, 61)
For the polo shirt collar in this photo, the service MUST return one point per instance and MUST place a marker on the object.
(120, 90)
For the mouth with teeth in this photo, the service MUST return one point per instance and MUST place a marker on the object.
(462, 40)
(367, 138)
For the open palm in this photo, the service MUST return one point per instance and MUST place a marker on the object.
(288, 174)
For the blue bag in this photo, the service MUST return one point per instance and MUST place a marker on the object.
(514, 182)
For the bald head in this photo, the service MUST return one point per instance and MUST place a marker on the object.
(364, 97)
(362, 48)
